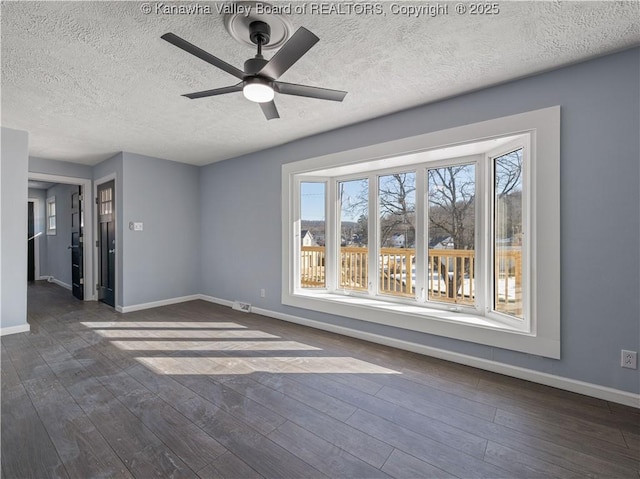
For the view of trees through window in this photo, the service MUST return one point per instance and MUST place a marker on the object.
(397, 233)
(354, 234)
(312, 234)
(449, 237)
(452, 227)
(508, 233)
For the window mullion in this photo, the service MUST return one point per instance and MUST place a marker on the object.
(295, 271)
(528, 233)
(373, 227)
(421, 242)
(483, 288)
(332, 235)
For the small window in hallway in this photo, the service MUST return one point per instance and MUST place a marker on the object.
(51, 215)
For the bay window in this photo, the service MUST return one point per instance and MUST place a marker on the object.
(431, 235)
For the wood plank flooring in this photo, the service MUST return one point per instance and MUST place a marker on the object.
(197, 390)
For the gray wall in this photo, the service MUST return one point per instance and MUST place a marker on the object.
(13, 221)
(58, 262)
(161, 261)
(60, 168)
(600, 198)
(40, 226)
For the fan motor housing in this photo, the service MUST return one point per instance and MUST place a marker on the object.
(253, 65)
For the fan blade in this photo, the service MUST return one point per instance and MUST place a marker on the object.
(296, 46)
(269, 109)
(215, 91)
(308, 91)
(200, 53)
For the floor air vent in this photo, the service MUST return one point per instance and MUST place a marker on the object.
(239, 306)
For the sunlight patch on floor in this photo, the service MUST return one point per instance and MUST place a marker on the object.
(297, 365)
(178, 338)
(161, 324)
(183, 334)
(213, 346)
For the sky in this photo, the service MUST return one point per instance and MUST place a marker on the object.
(312, 200)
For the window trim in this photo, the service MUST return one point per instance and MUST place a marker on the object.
(543, 335)
(51, 200)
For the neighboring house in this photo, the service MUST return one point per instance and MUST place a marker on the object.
(307, 239)
(441, 242)
(397, 240)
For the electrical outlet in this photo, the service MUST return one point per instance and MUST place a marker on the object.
(629, 359)
(263, 293)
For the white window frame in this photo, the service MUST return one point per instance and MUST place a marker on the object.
(51, 200)
(540, 333)
(488, 248)
(480, 286)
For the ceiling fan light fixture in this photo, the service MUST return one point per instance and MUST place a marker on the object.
(258, 90)
(259, 79)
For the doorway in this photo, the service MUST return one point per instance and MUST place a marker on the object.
(77, 226)
(106, 242)
(31, 249)
(76, 261)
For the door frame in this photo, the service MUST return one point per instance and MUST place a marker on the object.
(94, 208)
(37, 234)
(76, 289)
(90, 293)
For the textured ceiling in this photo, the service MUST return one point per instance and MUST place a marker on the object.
(90, 79)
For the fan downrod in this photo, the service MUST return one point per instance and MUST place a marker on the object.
(259, 33)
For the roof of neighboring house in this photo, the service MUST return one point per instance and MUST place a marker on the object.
(438, 240)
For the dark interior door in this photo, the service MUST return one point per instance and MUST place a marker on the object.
(106, 243)
(77, 270)
(31, 249)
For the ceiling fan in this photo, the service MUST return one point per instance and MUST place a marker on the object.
(259, 78)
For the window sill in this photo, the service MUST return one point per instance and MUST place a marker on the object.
(452, 324)
(421, 312)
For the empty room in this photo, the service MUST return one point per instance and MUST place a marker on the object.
(320, 239)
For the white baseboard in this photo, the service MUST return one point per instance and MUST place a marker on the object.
(157, 304)
(53, 280)
(21, 328)
(166, 302)
(222, 302)
(567, 384)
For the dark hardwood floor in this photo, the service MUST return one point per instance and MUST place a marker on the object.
(200, 390)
